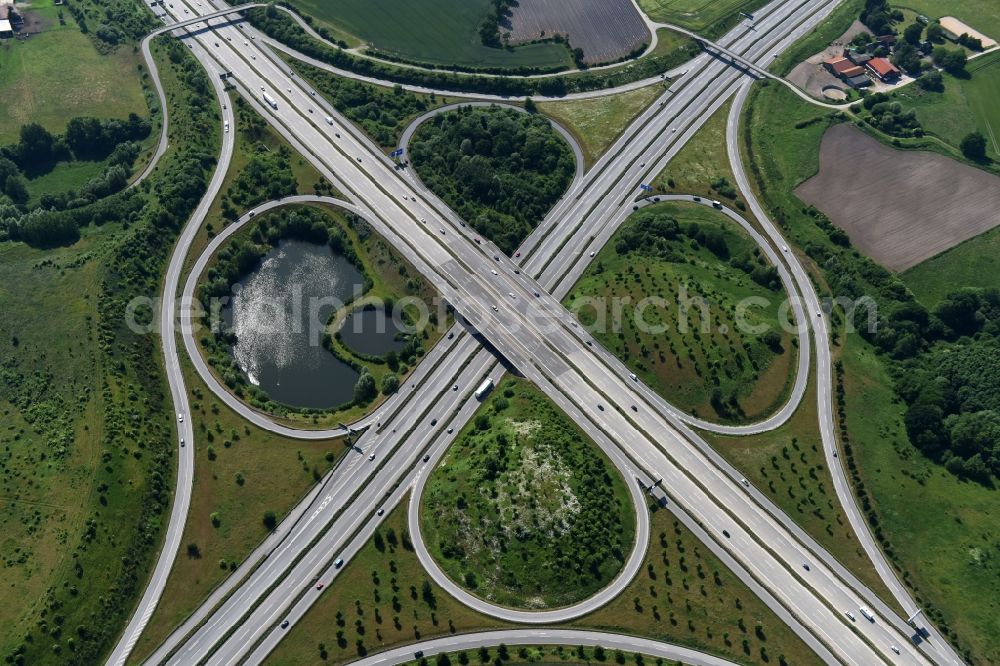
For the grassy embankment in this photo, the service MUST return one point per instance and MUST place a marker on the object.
(939, 529)
(536, 488)
(438, 32)
(710, 18)
(596, 123)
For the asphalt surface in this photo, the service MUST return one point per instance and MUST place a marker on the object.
(580, 375)
(544, 637)
(178, 394)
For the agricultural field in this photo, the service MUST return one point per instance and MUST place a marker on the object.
(437, 32)
(703, 358)
(522, 476)
(975, 262)
(605, 30)
(936, 528)
(58, 74)
(596, 123)
(914, 206)
(709, 17)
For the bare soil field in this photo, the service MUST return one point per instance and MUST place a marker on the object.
(899, 207)
(606, 30)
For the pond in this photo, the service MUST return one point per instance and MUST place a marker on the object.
(371, 332)
(278, 317)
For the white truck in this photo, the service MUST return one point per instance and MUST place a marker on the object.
(484, 388)
(867, 613)
(271, 102)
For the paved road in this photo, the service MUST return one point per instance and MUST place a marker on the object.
(178, 393)
(824, 377)
(517, 637)
(583, 376)
(161, 145)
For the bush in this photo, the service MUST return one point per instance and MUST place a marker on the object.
(270, 520)
(974, 146)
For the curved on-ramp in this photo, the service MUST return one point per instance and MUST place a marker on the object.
(541, 637)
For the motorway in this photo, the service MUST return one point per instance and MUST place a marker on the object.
(557, 357)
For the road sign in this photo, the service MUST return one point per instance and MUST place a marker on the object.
(645, 188)
(396, 153)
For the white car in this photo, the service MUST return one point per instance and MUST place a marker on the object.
(180, 417)
(592, 253)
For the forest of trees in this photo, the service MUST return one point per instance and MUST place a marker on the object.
(500, 169)
(56, 218)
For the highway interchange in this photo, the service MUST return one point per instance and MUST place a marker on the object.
(644, 436)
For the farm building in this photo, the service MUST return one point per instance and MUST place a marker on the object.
(839, 65)
(883, 69)
(859, 58)
(859, 81)
(5, 29)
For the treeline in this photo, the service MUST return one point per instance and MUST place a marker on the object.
(655, 234)
(283, 28)
(111, 22)
(58, 215)
(81, 615)
(500, 169)
(382, 112)
(489, 27)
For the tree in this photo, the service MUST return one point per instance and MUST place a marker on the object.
(270, 520)
(931, 80)
(364, 389)
(913, 32)
(974, 146)
(36, 144)
(390, 384)
(907, 58)
(935, 33)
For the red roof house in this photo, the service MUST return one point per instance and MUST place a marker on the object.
(883, 69)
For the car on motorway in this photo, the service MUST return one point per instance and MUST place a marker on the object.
(380, 512)
(496, 309)
(450, 430)
(805, 565)
(284, 625)
(477, 240)
(517, 254)
(451, 334)
(784, 248)
(338, 563)
(180, 417)
(592, 253)
(496, 257)
(600, 406)
(371, 457)
(850, 615)
(329, 120)
(442, 232)
(319, 586)
(725, 533)
(182, 441)
(716, 203)
(537, 294)
(634, 408)
(434, 422)
(427, 457)
(745, 482)
(511, 294)
(419, 654)
(894, 649)
(455, 387)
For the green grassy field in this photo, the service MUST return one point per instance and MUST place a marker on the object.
(596, 123)
(58, 74)
(966, 105)
(383, 598)
(710, 17)
(981, 15)
(976, 262)
(440, 32)
(705, 363)
(942, 531)
(530, 481)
